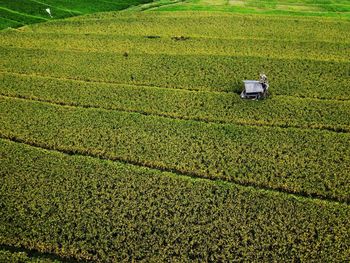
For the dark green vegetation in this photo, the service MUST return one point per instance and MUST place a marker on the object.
(16, 13)
(123, 137)
(20, 255)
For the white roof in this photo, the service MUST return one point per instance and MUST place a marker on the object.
(253, 86)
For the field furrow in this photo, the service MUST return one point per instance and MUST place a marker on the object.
(306, 162)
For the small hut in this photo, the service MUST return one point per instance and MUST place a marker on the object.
(254, 89)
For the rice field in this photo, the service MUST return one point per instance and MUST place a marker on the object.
(124, 138)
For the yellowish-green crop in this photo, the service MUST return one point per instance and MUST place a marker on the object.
(218, 107)
(85, 208)
(305, 162)
(123, 138)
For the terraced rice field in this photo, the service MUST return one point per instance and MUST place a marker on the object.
(17, 13)
(123, 138)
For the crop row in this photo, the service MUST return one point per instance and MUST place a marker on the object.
(297, 77)
(216, 25)
(327, 51)
(205, 106)
(53, 202)
(307, 162)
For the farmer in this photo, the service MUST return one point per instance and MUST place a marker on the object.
(263, 80)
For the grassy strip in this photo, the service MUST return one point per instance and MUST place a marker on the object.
(304, 78)
(204, 106)
(326, 51)
(206, 24)
(311, 163)
(107, 211)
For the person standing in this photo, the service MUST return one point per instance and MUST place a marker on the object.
(264, 82)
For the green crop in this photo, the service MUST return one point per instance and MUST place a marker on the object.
(309, 61)
(156, 44)
(6, 22)
(318, 79)
(201, 24)
(17, 19)
(123, 138)
(306, 162)
(31, 11)
(219, 107)
(85, 208)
